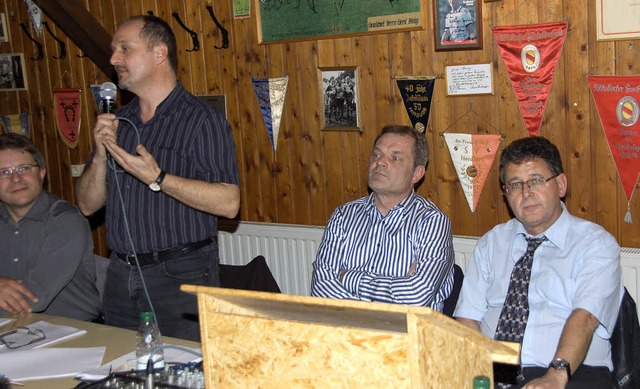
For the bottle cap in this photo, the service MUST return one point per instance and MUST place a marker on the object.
(481, 382)
(146, 316)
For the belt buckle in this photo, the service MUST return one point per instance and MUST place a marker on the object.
(130, 259)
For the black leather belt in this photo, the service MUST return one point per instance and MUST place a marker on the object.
(165, 255)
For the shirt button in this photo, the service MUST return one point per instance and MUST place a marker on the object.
(16, 232)
(15, 259)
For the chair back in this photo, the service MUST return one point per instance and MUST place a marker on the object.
(255, 275)
(625, 345)
(452, 300)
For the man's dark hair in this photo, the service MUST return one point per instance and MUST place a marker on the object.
(420, 148)
(527, 149)
(19, 142)
(156, 31)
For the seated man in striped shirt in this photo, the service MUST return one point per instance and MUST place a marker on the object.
(392, 246)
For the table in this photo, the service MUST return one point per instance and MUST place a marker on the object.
(118, 342)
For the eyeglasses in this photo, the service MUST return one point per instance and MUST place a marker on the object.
(6, 172)
(22, 336)
(536, 184)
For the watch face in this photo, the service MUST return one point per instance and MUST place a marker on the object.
(154, 187)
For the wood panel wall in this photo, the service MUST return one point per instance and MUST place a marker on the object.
(313, 171)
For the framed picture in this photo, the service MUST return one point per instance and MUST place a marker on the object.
(617, 22)
(217, 102)
(12, 72)
(296, 20)
(458, 24)
(4, 32)
(339, 99)
(469, 79)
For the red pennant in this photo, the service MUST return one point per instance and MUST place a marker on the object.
(530, 53)
(616, 99)
(67, 107)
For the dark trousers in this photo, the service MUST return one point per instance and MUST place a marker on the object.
(176, 311)
(586, 377)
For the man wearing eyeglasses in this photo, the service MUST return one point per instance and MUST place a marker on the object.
(573, 277)
(46, 248)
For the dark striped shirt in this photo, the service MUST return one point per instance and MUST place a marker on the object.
(188, 139)
(378, 252)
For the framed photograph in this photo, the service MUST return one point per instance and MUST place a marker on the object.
(12, 72)
(457, 24)
(339, 99)
(469, 79)
(4, 32)
(617, 22)
(296, 20)
(218, 102)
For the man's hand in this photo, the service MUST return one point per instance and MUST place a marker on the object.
(142, 166)
(15, 298)
(554, 379)
(105, 129)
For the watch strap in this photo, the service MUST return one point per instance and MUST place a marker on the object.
(561, 364)
(160, 177)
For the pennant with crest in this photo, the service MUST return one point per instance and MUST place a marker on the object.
(18, 123)
(416, 92)
(472, 156)
(617, 101)
(35, 13)
(530, 53)
(68, 111)
(271, 93)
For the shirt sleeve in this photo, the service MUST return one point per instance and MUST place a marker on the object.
(66, 238)
(472, 302)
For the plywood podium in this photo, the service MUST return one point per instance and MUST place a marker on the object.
(267, 340)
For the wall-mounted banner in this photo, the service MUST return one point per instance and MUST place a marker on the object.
(18, 123)
(530, 53)
(416, 92)
(68, 109)
(271, 93)
(617, 100)
(472, 156)
(36, 16)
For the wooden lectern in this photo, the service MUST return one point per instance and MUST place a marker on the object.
(268, 340)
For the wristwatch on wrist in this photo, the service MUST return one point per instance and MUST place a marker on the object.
(155, 185)
(561, 364)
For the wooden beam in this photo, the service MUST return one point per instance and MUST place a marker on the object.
(83, 29)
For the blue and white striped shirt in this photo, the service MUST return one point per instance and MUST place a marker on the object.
(378, 253)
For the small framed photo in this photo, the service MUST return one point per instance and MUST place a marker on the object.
(458, 25)
(470, 79)
(217, 102)
(4, 32)
(12, 72)
(339, 98)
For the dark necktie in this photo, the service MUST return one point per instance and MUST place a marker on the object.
(515, 312)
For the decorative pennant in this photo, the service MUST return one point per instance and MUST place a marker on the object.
(18, 123)
(530, 53)
(68, 109)
(36, 16)
(95, 89)
(616, 99)
(416, 92)
(472, 156)
(271, 93)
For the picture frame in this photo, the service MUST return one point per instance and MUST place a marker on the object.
(339, 98)
(12, 72)
(296, 20)
(4, 31)
(459, 30)
(469, 79)
(617, 23)
(217, 102)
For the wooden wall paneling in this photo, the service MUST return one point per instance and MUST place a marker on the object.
(308, 90)
(577, 163)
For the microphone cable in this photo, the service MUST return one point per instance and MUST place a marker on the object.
(113, 166)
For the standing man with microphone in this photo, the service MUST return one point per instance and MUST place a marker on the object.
(164, 165)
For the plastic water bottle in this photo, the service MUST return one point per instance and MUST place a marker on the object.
(481, 382)
(147, 340)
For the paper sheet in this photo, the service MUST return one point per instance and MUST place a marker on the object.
(37, 364)
(128, 362)
(5, 320)
(55, 333)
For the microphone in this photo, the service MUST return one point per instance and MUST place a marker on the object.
(108, 93)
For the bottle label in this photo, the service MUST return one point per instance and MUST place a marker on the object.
(158, 361)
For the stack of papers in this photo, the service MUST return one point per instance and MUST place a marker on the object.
(53, 333)
(24, 365)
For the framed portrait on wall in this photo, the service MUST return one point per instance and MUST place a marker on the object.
(457, 24)
(4, 32)
(12, 72)
(339, 98)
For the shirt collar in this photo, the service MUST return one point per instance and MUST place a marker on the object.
(401, 207)
(37, 212)
(164, 107)
(556, 234)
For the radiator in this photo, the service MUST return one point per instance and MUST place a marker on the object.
(290, 250)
